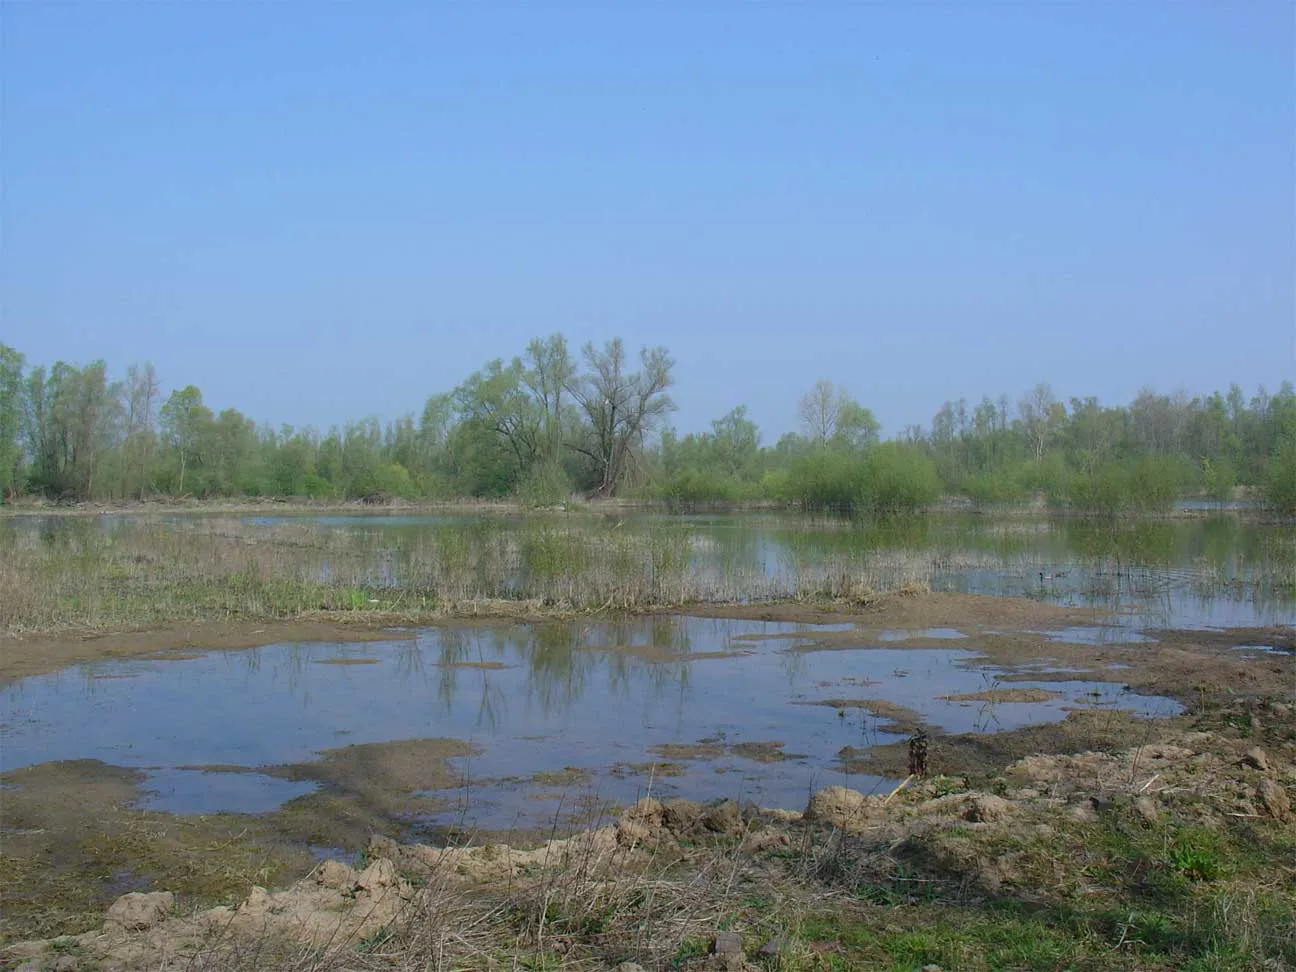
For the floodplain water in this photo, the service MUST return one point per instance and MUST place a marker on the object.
(681, 705)
(735, 708)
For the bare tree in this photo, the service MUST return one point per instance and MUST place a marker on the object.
(819, 410)
(828, 413)
(141, 395)
(619, 407)
(1040, 418)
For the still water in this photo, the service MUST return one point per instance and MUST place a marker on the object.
(598, 697)
(604, 698)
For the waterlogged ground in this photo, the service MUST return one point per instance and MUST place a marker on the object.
(1221, 570)
(1216, 569)
(545, 716)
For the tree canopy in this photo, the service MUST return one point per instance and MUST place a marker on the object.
(547, 424)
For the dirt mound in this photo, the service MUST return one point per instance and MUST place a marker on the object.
(932, 827)
(334, 907)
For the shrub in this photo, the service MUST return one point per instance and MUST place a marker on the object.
(888, 478)
(1280, 479)
(897, 479)
(1149, 485)
(690, 487)
(545, 484)
(1155, 483)
(826, 479)
(382, 482)
(1219, 479)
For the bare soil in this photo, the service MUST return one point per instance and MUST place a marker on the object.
(1005, 695)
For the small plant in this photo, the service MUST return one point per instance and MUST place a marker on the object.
(1195, 854)
(690, 948)
(945, 785)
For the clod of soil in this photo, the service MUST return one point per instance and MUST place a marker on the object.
(347, 661)
(1005, 695)
(567, 777)
(896, 717)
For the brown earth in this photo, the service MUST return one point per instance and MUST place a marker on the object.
(1005, 695)
(71, 839)
(1037, 834)
(894, 717)
(22, 657)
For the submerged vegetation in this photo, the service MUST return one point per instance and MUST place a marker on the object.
(70, 573)
(549, 424)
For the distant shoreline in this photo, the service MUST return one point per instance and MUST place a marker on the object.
(401, 507)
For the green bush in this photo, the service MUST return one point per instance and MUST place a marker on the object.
(1103, 490)
(888, 478)
(1219, 479)
(994, 486)
(545, 484)
(691, 487)
(382, 482)
(1150, 485)
(1155, 484)
(897, 479)
(317, 487)
(1280, 479)
(826, 479)
(1050, 477)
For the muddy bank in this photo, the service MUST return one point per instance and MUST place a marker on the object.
(72, 835)
(1006, 631)
(36, 655)
(1185, 822)
(72, 839)
(1038, 641)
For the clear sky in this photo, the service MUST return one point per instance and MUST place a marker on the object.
(320, 211)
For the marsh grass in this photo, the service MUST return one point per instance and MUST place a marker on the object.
(81, 577)
(79, 574)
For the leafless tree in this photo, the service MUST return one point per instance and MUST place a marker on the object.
(619, 407)
(1039, 414)
(820, 410)
(141, 393)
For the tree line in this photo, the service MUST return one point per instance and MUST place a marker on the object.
(551, 423)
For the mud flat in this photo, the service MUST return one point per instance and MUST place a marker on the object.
(1198, 801)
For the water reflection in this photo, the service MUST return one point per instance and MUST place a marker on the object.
(531, 698)
(1208, 571)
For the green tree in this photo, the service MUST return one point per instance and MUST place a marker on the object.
(11, 420)
(71, 418)
(495, 403)
(856, 426)
(734, 442)
(185, 421)
(141, 401)
(1219, 479)
(1280, 478)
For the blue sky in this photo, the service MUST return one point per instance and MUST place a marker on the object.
(323, 211)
